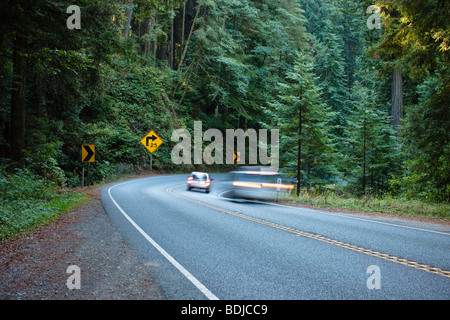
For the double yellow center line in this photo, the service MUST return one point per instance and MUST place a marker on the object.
(321, 238)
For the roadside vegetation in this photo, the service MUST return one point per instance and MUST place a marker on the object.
(371, 203)
(28, 200)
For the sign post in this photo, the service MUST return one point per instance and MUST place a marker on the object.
(87, 155)
(278, 187)
(151, 162)
(151, 142)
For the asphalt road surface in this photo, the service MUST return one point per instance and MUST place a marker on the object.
(205, 246)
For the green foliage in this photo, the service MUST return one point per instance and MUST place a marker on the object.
(427, 145)
(371, 151)
(26, 200)
(301, 116)
(44, 162)
(416, 39)
(383, 204)
(141, 65)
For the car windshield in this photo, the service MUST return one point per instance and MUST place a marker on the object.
(256, 177)
(199, 176)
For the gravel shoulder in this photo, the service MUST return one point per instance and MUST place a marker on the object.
(33, 266)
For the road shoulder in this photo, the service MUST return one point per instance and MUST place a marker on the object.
(372, 214)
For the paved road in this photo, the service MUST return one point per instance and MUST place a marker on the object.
(204, 246)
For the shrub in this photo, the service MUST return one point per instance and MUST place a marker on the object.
(27, 200)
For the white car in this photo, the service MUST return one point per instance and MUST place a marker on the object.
(200, 180)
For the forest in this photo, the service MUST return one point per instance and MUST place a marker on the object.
(359, 90)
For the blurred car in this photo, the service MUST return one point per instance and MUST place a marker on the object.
(260, 185)
(200, 180)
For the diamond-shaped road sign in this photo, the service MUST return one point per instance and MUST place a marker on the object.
(87, 153)
(151, 141)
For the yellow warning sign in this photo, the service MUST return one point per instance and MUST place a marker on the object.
(87, 153)
(151, 141)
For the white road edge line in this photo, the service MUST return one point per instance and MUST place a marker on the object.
(174, 262)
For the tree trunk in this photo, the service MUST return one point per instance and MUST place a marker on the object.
(18, 98)
(183, 23)
(188, 39)
(299, 155)
(364, 155)
(38, 95)
(150, 27)
(396, 100)
(129, 16)
(172, 42)
(155, 47)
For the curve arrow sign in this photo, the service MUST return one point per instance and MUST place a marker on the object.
(88, 153)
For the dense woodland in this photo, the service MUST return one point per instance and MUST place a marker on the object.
(366, 110)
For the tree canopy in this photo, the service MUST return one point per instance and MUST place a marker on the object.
(366, 109)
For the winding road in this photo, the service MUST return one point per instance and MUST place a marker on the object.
(206, 246)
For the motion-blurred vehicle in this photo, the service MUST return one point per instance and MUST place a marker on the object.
(200, 180)
(259, 184)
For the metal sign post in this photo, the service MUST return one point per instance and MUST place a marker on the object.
(87, 155)
(278, 187)
(87, 180)
(151, 142)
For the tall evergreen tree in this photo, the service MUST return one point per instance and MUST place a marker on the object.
(371, 152)
(302, 120)
(417, 39)
(325, 23)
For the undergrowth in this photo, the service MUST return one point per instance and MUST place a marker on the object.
(27, 200)
(369, 203)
